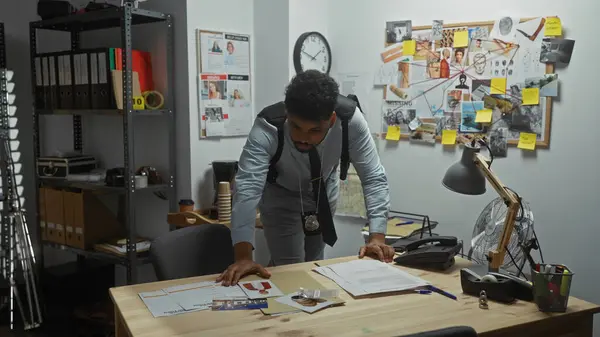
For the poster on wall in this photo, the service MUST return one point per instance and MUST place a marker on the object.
(224, 84)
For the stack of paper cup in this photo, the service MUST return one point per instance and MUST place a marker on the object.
(224, 202)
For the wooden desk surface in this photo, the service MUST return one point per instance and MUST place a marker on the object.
(384, 315)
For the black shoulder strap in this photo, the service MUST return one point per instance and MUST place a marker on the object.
(275, 115)
(345, 108)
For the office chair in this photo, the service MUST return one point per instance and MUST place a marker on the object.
(458, 331)
(192, 251)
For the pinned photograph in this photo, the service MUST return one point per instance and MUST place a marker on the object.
(458, 57)
(445, 60)
(478, 60)
(451, 120)
(502, 66)
(310, 305)
(505, 29)
(404, 72)
(462, 82)
(398, 31)
(260, 289)
(425, 133)
(436, 30)
(479, 33)
(468, 115)
(477, 45)
(453, 100)
(499, 104)
(396, 115)
(548, 84)
(448, 36)
(423, 44)
(528, 118)
(214, 114)
(556, 50)
(480, 88)
(499, 142)
(434, 66)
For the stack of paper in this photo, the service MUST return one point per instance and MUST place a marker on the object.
(187, 298)
(200, 295)
(364, 277)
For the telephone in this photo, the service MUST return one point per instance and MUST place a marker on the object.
(431, 252)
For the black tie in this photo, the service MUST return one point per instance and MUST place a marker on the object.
(320, 195)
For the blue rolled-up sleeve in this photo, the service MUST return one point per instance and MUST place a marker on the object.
(250, 180)
(365, 159)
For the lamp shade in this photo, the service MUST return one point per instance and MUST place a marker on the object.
(464, 176)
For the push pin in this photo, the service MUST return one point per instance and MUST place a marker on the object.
(483, 302)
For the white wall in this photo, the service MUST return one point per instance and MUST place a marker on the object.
(561, 183)
(271, 66)
(305, 16)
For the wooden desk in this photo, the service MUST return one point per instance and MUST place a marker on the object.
(387, 315)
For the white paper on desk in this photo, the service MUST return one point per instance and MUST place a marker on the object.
(200, 295)
(363, 277)
(160, 304)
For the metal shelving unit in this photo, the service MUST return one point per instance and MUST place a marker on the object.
(124, 18)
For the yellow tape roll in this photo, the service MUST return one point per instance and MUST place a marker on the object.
(154, 100)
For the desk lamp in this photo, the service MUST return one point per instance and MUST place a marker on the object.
(468, 176)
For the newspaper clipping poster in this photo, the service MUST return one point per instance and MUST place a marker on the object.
(224, 84)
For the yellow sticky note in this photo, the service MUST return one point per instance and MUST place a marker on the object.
(448, 137)
(531, 96)
(484, 116)
(138, 103)
(553, 27)
(527, 141)
(409, 47)
(461, 39)
(393, 132)
(498, 85)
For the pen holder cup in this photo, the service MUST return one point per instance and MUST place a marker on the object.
(551, 289)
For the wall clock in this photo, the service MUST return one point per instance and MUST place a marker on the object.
(312, 51)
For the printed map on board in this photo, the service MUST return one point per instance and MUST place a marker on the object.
(351, 201)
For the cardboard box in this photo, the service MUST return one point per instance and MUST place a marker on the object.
(87, 220)
(54, 213)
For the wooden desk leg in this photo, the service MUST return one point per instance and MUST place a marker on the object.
(120, 330)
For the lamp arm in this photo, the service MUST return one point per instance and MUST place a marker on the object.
(496, 257)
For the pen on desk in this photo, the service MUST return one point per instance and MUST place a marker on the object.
(423, 291)
(440, 291)
(405, 223)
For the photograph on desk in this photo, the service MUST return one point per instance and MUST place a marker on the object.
(260, 289)
(309, 305)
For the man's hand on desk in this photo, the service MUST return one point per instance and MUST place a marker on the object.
(243, 266)
(377, 249)
(239, 269)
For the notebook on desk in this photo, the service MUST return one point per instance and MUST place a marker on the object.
(405, 230)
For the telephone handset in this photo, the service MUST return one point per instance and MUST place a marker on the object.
(412, 245)
(432, 251)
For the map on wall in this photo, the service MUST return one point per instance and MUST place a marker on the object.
(351, 201)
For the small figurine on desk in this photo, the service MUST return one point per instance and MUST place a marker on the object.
(483, 302)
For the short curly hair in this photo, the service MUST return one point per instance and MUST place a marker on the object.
(311, 95)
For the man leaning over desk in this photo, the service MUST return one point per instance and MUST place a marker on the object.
(298, 222)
